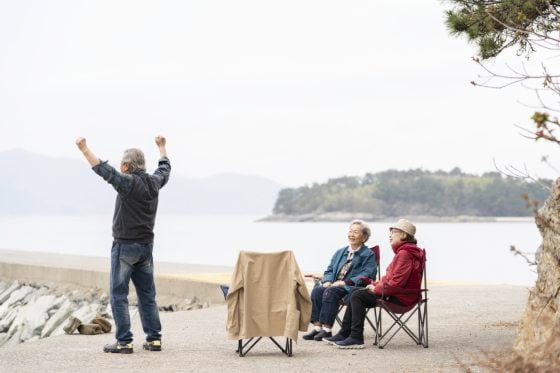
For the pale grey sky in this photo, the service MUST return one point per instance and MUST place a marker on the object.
(297, 91)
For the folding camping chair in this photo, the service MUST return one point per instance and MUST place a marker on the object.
(402, 314)
(346, 299)
(242, 348)
(258, 313)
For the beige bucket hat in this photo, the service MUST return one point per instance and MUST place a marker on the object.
(405, 226)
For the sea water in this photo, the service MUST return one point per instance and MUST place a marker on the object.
(469, 252)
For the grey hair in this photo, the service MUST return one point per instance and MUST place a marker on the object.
(366, 231)
(134, 158)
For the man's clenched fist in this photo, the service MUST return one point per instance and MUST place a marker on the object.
(81, 143)
(160, 141)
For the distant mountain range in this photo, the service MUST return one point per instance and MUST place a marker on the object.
(37, 184)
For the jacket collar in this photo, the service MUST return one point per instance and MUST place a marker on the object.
(359, 251)
(407, 246)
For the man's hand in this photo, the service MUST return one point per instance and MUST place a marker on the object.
(81, 143)
(327, 284)
(160, 142)
(339, 283)
(91, 158)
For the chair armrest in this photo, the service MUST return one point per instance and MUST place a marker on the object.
(404, 291)
(315, 278)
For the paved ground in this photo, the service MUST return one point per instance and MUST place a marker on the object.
(465, 322)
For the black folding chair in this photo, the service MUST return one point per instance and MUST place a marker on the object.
(401, 315)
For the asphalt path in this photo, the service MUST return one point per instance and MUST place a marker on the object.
(466, 324)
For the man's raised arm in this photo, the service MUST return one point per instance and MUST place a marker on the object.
(91, 158)
(121, 182)
(164, 166)
(160, 142)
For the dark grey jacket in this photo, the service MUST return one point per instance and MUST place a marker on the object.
(137, 200)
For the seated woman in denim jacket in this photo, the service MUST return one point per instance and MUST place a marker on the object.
(347, 266)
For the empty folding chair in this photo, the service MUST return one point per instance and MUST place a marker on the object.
(267, 298)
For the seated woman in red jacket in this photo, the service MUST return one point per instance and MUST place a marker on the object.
(404, 273)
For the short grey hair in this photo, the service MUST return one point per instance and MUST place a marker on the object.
(134, 158)
(366, 231)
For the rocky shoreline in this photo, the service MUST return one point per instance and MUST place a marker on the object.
(348, 216)
(31, 311)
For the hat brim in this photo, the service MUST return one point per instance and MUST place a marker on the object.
(402, 230)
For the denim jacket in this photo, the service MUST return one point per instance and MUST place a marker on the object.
(363, 264)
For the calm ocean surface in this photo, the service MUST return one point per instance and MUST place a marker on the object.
(456, 251)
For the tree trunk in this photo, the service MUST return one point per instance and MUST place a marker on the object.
(538, 341)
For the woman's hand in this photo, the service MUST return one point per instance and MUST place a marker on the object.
(339, 283)
(370, 287)
(327, 284)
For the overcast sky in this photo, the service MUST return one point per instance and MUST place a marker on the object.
(297, 91)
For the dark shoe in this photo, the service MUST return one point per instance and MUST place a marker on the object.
(322, 334)
(152, 346)
(335, 338)
(350, 343)
(309, 336)
(119, 348)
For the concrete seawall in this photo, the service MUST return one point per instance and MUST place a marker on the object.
(172, 287)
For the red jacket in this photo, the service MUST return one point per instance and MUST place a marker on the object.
(404, 274)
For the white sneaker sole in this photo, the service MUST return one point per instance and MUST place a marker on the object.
(329, 342)
(351, 347)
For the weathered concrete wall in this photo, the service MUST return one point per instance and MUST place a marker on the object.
(169, 289)
(25, 272)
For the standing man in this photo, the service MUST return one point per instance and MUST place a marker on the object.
(133, 234)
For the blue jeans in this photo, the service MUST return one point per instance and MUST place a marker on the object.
(325, 303)
(134, 261)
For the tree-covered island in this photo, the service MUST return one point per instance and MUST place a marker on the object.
(417, 192)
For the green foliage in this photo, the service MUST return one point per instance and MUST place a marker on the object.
(415, 192)
(498, 24)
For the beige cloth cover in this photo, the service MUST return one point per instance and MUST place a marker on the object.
(267, 297)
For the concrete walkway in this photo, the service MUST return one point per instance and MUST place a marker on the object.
(465, 322)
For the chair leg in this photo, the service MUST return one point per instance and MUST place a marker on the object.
(426, 324)
(379, 333)
(400, 325)
(420, 327)
(372, 323)
(287, 349)
(376, 330)
(338, 320)
(423, 325)
(241, 346)
(369, 321)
